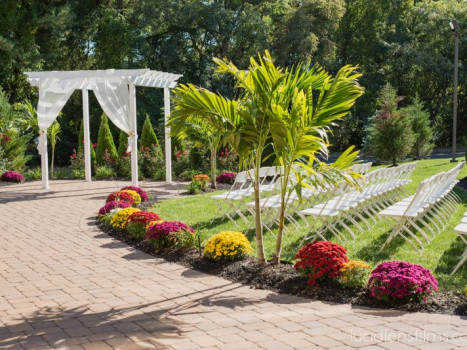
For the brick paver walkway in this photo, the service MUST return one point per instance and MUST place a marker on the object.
(64, 284)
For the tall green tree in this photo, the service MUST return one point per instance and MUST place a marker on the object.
(148, 136)
(423, 133)
(105, 142)
(390, 135)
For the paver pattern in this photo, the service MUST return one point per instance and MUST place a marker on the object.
(66, 285)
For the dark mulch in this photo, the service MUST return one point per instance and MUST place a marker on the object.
(283, 279)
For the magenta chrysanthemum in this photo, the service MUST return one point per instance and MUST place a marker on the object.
(113, 205)
(401, 281)
(12, 176)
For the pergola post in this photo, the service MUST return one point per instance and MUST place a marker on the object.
(168, 143)
(87, 142)
(134, 150)
(45, 162)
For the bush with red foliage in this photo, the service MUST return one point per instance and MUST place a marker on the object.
(320, 260)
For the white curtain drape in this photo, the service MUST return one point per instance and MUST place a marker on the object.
(53, 95)
(113, 98)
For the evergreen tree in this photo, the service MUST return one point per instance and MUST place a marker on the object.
(122, 143)
(105, 142)
(423, 134)
(149, 137)
(390, 136)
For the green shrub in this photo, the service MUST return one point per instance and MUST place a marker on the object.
(122, 166)
(77, 173)
(150, 161)
(105, 142)
(33, 174)
(104, 172)
(62, 173)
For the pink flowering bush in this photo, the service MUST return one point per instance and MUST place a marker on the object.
(400, 281)
(171, 234)
(12, 176)
(226, 178)
(142, 193)
(113, 205)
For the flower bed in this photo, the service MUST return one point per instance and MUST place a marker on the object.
(326, 263)
(12, 176)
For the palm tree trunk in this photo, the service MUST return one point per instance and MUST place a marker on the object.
(258, 222)
(213, 167)
(52, 160)
(276, 259)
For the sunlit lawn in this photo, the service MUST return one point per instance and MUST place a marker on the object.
(440, 256)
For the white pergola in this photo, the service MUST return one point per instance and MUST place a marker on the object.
(115, 91)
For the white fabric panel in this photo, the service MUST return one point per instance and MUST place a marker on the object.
(114, 100)
(53, 94)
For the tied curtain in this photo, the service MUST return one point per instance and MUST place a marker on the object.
(114, 101)
(112, 96)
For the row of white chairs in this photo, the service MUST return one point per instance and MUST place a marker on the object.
(427, 211)
(346, 205)
(270, 206)
(231, 203)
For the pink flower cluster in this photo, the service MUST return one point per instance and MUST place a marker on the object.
(12, 176)
(226, 178)
(401, 281)
(4, 138)
(163, 229)
(142, 193)
(113, 205)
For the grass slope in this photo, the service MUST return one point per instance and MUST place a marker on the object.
(440, 256)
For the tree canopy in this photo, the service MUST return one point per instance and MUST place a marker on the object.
(405, 43)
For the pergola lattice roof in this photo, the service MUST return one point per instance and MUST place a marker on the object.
(138, 77)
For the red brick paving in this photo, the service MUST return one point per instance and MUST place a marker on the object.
(65, 285)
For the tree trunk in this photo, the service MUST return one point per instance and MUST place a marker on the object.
(276, 259)
(259, 224)
(52, 160)
(213, 167)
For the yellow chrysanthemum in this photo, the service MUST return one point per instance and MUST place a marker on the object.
(227, 245)
(135, 195)
(120, 218)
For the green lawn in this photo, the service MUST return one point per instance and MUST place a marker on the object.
(440, 256)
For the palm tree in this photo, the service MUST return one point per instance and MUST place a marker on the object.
(53, 132)
(277, 105)
(311, 100)
(242, 122)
